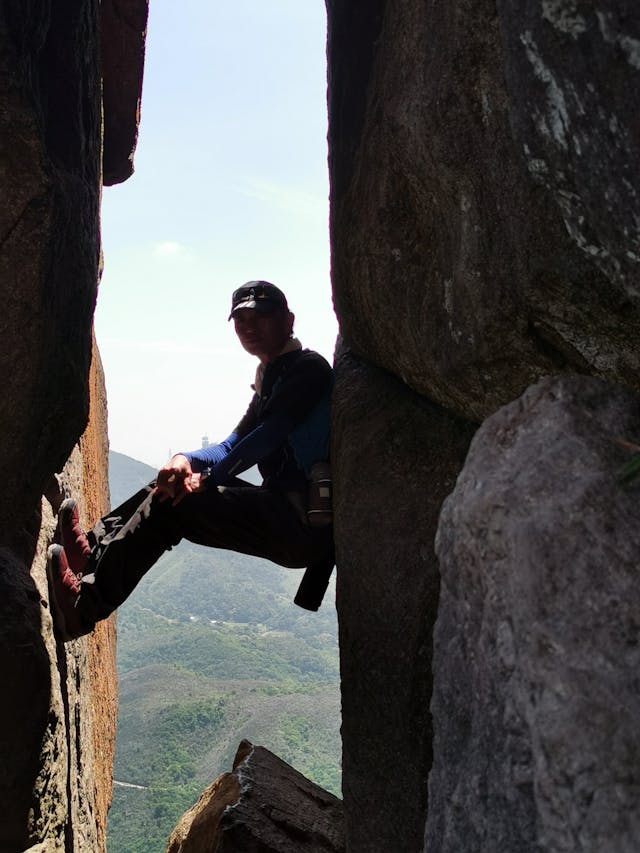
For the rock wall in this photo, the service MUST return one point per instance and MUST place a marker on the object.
(57, 734)
(57, 725)
(50, 154)
(124, 30)
(484, 228)
(484, 173)
(101, 645)
(392, 448)
(537, 643)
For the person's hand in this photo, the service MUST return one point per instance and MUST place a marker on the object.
(174, 480)
(197, 483)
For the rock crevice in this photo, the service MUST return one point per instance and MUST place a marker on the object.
(57, 732)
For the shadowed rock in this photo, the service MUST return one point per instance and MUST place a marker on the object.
(123, 31)
(50, 175)
(50, 149)
(537, 644)
(57, 732)
(58, 727)
(485, 167)
(395, 456)
(27, 681)
(263, 806)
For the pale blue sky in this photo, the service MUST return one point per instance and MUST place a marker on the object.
(230, 184)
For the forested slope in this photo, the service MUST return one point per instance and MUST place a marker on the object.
(211, 649)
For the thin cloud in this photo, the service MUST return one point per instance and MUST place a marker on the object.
(291, 199)
(169, 249)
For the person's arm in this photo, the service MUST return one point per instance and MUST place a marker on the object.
(299, 392)
(207, 457)
(302, 388)
(250, 450)
(180, 475)
(212, 455)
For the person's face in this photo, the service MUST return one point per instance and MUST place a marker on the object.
(263, 335)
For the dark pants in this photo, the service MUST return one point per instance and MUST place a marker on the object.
(249, 519)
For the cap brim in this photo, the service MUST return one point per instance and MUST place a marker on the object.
(263, 306)
(246, 303)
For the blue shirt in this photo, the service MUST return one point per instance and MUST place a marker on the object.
(285, 428)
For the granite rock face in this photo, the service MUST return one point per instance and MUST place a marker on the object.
(571, 69)
(50, 150)
(27, 679)
(484, 166)
(484, 169)
(537, 643)
(57, 727)
(395, 456)
(123, 35)
(57, 734)
(51, 113)
(263, 806)
(100, 671)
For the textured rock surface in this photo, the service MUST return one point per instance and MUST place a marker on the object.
(537, 643)
(123, 28)
(50, 175)
(57, 733)
(101, 645)
(484, 180)
(26, 676)
(50, 120)
(571, 70)
(395, 457)
(263, 806)
(57, 727)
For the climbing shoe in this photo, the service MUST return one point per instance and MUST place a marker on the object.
(64, 592)
(74, 540)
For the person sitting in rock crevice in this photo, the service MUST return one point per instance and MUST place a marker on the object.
(197, 495)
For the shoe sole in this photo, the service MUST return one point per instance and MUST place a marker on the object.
(67, 507)
(57, 614)
(77, 553)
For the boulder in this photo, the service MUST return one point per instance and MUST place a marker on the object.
(50, 156)
(123, 36)
(57, 732)
(484, 164)
(263, 806)
(395, 456)
(537, 644)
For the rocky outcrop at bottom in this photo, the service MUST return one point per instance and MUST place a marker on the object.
(537, 644)
(263, 806)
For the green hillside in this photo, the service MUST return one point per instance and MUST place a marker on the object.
(126, 476)
(211, 650)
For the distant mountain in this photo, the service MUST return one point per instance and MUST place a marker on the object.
(126, 476)
(211, 649)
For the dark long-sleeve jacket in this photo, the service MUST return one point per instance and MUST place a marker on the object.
(285, 428)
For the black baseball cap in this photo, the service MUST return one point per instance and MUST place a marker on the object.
(265, 297)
